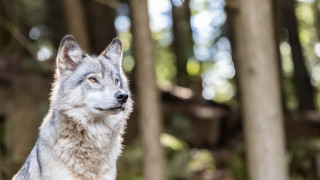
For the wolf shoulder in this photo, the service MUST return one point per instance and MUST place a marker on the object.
(38, 166)
(30, 169)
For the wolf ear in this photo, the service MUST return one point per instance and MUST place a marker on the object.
(114, 52)
(69, 54)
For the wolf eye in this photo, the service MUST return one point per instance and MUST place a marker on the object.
(92, 79)
(116, 81)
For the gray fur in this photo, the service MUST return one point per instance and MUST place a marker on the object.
(80, 138)
(39, 159)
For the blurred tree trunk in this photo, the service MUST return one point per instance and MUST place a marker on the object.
(76, 22)
(101, 25)
(278, 26)
(182, 43)
(57, 23)
(148, 95)
(302, 82)
(259, 90)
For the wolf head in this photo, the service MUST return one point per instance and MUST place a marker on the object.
(89, 87)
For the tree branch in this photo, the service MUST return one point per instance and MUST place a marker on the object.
(15, 32)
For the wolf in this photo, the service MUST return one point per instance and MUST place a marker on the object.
(81, 136)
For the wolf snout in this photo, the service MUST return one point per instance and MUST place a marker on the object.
(121, 97)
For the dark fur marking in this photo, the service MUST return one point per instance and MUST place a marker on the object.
(109, 59)
(79, 82)
(38, 158)
(103, 68)
(116, 40)
(52, 120)
(111, 75)
(105, 55)
(121, 81)
(24, 172)
(82, 78)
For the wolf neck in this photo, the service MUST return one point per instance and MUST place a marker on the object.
(90, 149)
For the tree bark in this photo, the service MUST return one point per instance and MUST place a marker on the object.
(183, 43)
(148, 94)
(76, 22)
(259, 90)
(302, 82)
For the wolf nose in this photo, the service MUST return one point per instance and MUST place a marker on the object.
(121, 97)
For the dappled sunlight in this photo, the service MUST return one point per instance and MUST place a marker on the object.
(307, 1)
(126, 40)
(202, 53)
(216, 83)
(160, 16)
(172, 142)
(122, 23)
(202, 161)
(44, 53)
(193, 67)
(128, 63)
(286, 55)
(207, 19)
(165, 67)
(164, 37)
(317, 49)
(287, 71)
(35, 33)
(182, 92)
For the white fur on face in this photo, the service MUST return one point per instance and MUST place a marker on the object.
(101, 99)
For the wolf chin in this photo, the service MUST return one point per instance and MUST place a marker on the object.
(80, 138)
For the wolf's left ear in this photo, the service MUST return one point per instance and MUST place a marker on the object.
(69, 54)
(114, 52)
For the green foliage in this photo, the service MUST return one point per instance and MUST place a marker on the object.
(201, 160)
(308, 28)
(177, 153)
(182, 162)
(238, 166)
(181, 126)
(128, 63)
(165, 65)
(193, 67)
(304, 159)
(130, 163)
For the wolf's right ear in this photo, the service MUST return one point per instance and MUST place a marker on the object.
(113, 52)
(69, 54)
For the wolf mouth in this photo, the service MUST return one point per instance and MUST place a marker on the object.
(111, 109)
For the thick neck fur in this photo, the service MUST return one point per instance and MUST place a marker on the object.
(88, 145)
(89, 150)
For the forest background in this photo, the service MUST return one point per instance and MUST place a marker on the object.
(233, 87)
